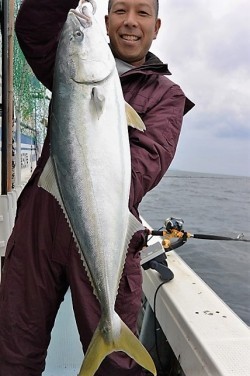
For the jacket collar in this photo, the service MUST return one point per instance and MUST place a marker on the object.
(152, 65)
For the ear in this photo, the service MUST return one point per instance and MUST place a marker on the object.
(157, 27)
(107, 24)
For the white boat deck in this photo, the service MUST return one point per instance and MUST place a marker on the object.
(65, 353)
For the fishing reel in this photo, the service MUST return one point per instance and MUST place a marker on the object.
(173, 224)
(154, 256)
(174, 229)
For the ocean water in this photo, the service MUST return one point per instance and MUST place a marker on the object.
(209, 204)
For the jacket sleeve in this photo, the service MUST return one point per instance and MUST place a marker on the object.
(38, 26)
(152, 151)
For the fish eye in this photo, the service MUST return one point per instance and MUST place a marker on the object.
(78, 34)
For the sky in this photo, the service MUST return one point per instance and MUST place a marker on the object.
(206, 44)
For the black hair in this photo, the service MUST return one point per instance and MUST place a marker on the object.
(156, 6)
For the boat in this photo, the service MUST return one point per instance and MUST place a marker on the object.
(187, 328)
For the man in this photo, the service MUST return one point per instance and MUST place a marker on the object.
(41, 257)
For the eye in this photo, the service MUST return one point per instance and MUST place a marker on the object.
(143, 13)
(119, 11)
(78, 34)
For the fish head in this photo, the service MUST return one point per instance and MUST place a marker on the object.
(83, 53)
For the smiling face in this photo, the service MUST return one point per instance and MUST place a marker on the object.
(131, 26)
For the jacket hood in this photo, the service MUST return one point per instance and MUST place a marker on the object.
(152, 65)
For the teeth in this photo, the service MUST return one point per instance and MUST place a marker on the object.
(130, 37)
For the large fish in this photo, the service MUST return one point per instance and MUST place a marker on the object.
(89, 172)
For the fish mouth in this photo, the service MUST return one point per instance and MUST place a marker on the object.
(82, 12)
(84, 19)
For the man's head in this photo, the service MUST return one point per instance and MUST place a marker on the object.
(156, 4)
(132, 25)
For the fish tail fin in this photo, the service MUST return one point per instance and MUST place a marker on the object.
(131, 345)
(98, 349)
(126, 342)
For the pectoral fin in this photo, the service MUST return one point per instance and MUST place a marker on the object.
(98, 99)
(133, 119)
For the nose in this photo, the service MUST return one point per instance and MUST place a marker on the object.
(131, 19)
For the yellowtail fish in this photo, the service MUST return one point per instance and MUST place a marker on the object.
(89, 173)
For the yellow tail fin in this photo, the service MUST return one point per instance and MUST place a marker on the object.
(127, 342)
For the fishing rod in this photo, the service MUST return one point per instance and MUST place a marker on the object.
(154, 256)
(173, 228)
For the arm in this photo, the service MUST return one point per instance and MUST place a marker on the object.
(152, 151)
(38, 27)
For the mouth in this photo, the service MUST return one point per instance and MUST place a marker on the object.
(130, 38)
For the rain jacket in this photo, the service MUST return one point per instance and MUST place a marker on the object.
(41, 259)
(160, 102)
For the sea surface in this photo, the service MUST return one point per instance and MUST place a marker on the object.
(209, 204)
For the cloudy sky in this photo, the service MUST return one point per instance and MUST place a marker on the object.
(207, 46)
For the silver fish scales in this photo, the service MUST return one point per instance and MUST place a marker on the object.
(89, 172)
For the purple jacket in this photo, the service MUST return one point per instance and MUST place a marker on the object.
(160, 103)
